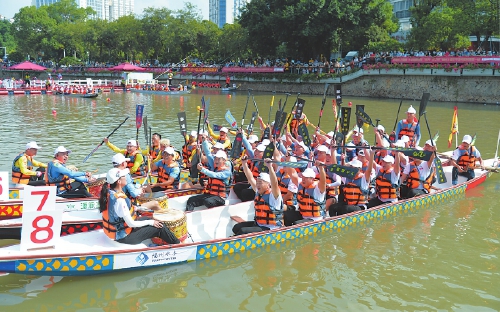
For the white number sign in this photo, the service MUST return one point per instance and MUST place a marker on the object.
(4, 186)
(41, 221)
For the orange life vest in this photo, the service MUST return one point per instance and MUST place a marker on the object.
(383, 186)
(408, 129)
(353, 194)
(17, 176)
(263, 212)
(216, 187)
(308, 205)
(164, 174)
(62, 185)
(414, 179)
(112, 224)
(467, 160)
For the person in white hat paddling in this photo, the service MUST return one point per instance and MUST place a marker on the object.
(168, 171)
(464, 160)
(409, 127)
(23, 164)
(386, 181)
(136, 165)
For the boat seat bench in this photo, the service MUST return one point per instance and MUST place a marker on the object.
(237, 219)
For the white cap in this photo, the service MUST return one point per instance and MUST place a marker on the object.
(355, 163)
(388, 159)
(253, 138)
(266, 142)
(114, 174)
(169, 150)
(32, 144)
(322, 148)
(219, 145)
(292, 159)
(308, 173)
(221, 154)
(203, 132)
(358, 129)
(429, 142)
(61, 149)
(399, 143)
(223, 129)
(261, 147)
(132, 142)
(467, 139)
(331, 134)
(119, 159)
(351, 146)
(361, 152)
(381, 128)
(264, 177)
(419, 148)
(411, 110)
(328, 141)
(405, 139)
(193, 133)
(302, 145)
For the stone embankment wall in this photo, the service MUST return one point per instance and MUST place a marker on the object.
(442, 88)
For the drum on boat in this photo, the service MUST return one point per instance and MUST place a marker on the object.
(175, 220)
(95, 187)
(160, 197)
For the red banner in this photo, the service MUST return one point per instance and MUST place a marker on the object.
(446, 59)
(253, 70)
(199, 69)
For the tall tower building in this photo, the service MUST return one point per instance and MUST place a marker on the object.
(238, 6)
(217, 12)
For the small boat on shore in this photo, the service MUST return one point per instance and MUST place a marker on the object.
(210, 235)
(160, 92)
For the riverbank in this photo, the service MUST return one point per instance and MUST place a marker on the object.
(480, 86)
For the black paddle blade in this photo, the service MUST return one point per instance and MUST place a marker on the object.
(181, 116)
(338, 94)
(346, 120)
(193, 170)
(145, 122)
(339, 138)
(236, 150)
(343, 171)
(267, 133)
(423, 103)
(418, 154)
(299, 164)
(359, 122)
(364, 116)
(279, 123)
(300, 108)
(441, 178)
(304, 133)
(252, 122)
(268, 153)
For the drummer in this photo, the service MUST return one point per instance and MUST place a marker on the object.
(57, 174)
(22, 167)
(268, 202)
(168, 171)
(118, 214)
(119, 161)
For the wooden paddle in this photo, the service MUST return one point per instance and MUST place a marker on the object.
(95, 149)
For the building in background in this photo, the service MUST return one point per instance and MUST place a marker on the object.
(105, 9)
(238, 7)
(217, 12)
(401, 8)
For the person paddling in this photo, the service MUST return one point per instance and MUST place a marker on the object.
(464, 160)
(409, 127)
(23, 164)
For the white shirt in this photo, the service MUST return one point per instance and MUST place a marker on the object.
(424, 172)
(123, 211)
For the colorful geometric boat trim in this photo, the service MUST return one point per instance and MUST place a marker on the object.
(81, 264)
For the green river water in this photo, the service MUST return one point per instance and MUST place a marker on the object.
(444, 258)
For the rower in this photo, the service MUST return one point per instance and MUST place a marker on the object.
(22, 167)
(221, 137)
(244, 190)
(118, 214)
(268, 202)
(187, 149)
(464, 160)
(57, 174)
(217, 186)
(136, 164)
(386, 181)
(417, 176)
(168, 172)
(409, 127)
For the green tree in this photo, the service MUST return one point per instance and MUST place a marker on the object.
(6, 38)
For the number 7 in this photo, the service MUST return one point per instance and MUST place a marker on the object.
(45, 195)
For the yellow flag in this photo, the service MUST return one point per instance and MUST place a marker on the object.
(454, 126)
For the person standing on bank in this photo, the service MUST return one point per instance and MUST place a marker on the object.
(22, 167)
(57, 174)
(119, 217)
(268, 202)
(464, 160)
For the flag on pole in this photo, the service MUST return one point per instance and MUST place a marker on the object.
(454, 126)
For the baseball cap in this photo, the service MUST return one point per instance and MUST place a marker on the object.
(61, 149)
(467, 139)
(361, 152)
(203, 132)
(261, 147)
(293, 159)
(355, 163)
(265, 177)
(219, 145)
(429, 142)
(223, 129)
(322, 148)
(357, 129)
(381, 128)
(308, 173)
(32, 144)
(388, 159)
(253, 138)
(331, 134)
(132, 143)
(302, 145)
(193, 133)
(399, 143)
(221, 154)
(411, 110)
(405, 139)
(114, 174)
(169, 150)
(266, 142)
(119, 159)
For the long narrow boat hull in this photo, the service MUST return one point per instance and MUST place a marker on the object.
(210, 236)
(158, 92)
(79, 95)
